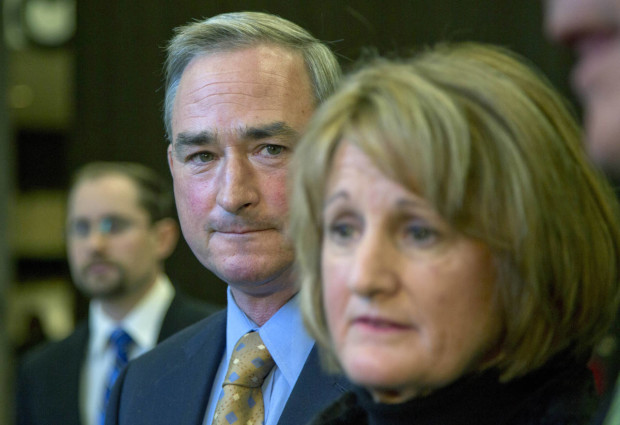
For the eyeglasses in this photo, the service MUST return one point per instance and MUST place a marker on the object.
(108, 225)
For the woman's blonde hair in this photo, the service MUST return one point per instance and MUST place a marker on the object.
(482, 135)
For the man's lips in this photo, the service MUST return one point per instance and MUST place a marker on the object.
(238, 231)
(99, 267)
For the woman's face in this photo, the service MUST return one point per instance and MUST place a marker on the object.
(409, 301)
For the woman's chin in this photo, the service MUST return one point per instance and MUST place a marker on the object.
(392, 396)
(384, 384)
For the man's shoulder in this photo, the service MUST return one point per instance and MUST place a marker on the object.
(187, 342)
(191, 307)
(57, 352)
(184, 311)
(183, 363)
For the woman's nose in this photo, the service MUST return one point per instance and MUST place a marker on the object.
(374, 269)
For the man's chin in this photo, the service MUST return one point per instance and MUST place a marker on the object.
(101, 292)
(249, 274)
(109, 296)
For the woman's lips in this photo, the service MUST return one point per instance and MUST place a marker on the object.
(380, 324)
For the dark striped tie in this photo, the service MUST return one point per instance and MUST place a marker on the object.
(122, 342)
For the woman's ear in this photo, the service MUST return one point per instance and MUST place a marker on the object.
(167, 234)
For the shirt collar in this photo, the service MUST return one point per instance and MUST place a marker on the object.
(283, 334)
(142, 323)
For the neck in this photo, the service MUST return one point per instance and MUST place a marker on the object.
(261, 308)
(120, 306)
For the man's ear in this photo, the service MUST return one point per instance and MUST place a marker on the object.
(167, 234)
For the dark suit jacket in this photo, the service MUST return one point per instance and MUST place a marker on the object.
(172, 383)
(49, 377)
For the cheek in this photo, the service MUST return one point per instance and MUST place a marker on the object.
(191, 197)
(274, 191)
(130, 249)
(75, 254)
(335, 297)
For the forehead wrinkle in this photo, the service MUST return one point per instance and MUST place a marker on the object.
(274, 80)
(195, 107)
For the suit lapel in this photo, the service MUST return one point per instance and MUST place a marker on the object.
(183, 312)
(313, 392)
(203, 355)
(75, 357)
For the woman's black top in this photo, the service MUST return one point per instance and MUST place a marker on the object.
(559, 393)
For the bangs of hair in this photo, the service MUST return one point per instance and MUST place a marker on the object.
(414, 133)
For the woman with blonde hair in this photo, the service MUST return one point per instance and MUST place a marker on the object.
(458, 253)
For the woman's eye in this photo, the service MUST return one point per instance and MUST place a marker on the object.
(421, 234)
(341, 232)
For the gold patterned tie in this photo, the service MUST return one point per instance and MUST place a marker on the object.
(241, 399)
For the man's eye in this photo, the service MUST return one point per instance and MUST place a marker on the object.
(274, 149)
(202, 157)
(114, 225)
(79, 228)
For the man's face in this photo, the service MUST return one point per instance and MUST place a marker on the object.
(236, 120)
(113, 249)
(592, 29)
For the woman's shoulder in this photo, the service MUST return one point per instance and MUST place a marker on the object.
(567, 399)
(343, 411)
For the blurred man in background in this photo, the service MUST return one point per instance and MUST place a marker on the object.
(120, 229)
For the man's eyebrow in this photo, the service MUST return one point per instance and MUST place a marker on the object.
(265, 131)
(271, 130)
(195, 139)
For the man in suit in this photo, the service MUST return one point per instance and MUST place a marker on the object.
(120, 229)
(240, 88)
(592, 29)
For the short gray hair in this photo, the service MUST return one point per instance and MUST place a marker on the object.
(231, 31)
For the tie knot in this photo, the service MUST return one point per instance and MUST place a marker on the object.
(121, 340)
(250, 362)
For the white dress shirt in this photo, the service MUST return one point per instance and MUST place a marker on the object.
(289, 345)
(143, 324)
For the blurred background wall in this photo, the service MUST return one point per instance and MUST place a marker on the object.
(80, 80)
(6, 263)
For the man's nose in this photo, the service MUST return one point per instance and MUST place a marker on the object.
(237, 188)
(96, 239)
